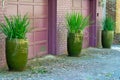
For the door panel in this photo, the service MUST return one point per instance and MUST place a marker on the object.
(26, 9)
(37, 11)
(41, 23)
(41, 1)
(85, 4)
(39, 35)
(11, 0)
(26, 0)
(40, 11)
(12, 10)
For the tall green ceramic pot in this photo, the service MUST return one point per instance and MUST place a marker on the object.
(74, 44)
(16, 54)
(107, 38)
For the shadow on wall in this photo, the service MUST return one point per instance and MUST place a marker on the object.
(2, 50)
(61, 38)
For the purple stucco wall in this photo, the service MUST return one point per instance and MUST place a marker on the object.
(92, 29)
(52, 26)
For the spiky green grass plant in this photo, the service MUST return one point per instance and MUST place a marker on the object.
(108, 24)
(15, 27)
(76, 22)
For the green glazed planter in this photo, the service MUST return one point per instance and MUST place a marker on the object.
(16, 54)
(74, 44)
(107, 38)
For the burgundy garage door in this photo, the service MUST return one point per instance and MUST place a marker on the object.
(38, 12)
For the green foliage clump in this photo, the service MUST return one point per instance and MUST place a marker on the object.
(77, 22)
(15, 26)
(108, 24)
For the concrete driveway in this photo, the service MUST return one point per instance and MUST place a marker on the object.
(93, 64)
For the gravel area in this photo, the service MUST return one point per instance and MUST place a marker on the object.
(93, 64)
